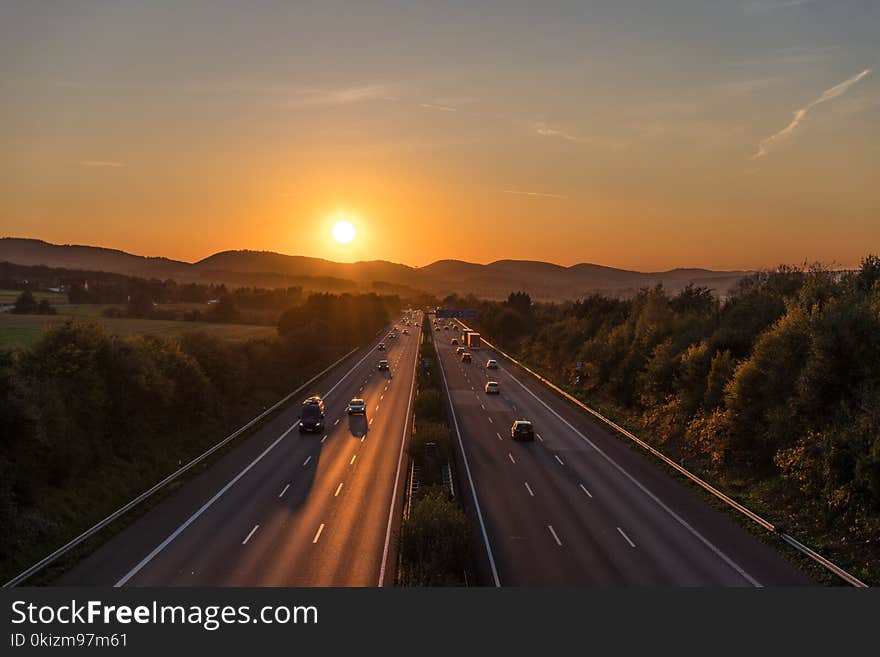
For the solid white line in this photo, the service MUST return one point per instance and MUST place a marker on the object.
(318, 534)
(555, 537)
(583, 488)
(281, 494)
(248, 537)
(397, 474)
(306, 462)
(512, 460)
(471, 482)
(558, 459)
(338, 488)
(529, 488)
(684, 523)
(631, 544)
(352, 459)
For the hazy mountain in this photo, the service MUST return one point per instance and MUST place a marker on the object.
(543, 280)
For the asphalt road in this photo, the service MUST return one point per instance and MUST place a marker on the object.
(578, 507)
(284, 508)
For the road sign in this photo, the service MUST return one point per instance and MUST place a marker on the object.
(455, 312)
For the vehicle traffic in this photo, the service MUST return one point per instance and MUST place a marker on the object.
(522, 430)
(491, 364)
(357, 406)
(492, 388)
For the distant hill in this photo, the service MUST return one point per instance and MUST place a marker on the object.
(543, 280)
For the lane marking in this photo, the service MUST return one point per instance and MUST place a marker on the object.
(338, 488)
(499, 436)
(684, 523)
(628, 540)
(152, 555)
(512, 460)
(377, 407)
(371, 421)
(318, 534)
(529, 488)
(539, 437)
(584, 488)
(352, 459)
(248, 537)
(362, 438)
(490, 420)
(281, 494)
(337, 422)
(556, 456)
(483, 407)
(306, 462)
(555, 537)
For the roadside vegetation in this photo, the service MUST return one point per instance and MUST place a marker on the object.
(435, 541)
(773, 393)
(89, 419)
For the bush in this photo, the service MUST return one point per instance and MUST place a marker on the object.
(435, 542)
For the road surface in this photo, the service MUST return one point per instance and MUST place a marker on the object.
(285, 509)
(578, 507)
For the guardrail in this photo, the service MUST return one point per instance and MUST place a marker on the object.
(98, 526)
(766, 524)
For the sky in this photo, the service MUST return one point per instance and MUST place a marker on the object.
(645, 135)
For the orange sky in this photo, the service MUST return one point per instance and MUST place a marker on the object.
(712, 137)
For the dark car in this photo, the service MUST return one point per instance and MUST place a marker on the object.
(522, 430)
(383, 365)
(311, 418)
(466, 357)
(381, 347)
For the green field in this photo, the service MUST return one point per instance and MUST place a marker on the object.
(25, 330)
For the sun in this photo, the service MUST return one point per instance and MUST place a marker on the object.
(344, 232)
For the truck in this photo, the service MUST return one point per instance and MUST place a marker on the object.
(473, 340)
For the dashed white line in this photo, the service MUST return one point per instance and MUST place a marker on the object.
(510, 456)
(499, 436)
(539, 437)
(324, 438)
(584, 488)
(555, 537)
(371, 420)
(490, 421)
(483, 407)
(377, 407)
(281, 494)
(556, 456)
(338, 488)
(352, 459)
(318, 533)
(529, 488)
(306, 462)
(248, 537)
(628, 540)
(337, 422)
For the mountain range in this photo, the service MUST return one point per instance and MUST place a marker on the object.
(543, 280)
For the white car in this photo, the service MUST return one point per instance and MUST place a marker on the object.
(357, 406)
(492, 388)
(491, 364)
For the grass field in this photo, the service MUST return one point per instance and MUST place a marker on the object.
(25, 330)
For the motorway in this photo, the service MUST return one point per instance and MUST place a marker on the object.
(578, 507)
(284, 508)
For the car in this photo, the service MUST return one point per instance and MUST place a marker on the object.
(459, 350)
(492, 388)
(381, 347)
(357, 406)
(405, 332)
(453, 342)
(446, 328)
(391, 336)
(383, 365)
(436, 328)
(522, 430)
(491, 364)
(311, 416)
(466, 357)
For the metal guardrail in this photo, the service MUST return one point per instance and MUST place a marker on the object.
(766, 524)
(101, 524)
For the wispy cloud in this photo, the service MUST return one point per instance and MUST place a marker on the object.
(525, 193)
(102, 163)
(800, 114)
(442, 108)
(546, 131)
(774, 5)
(341, 96)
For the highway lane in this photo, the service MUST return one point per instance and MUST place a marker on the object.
(284, 508)
(579, 508)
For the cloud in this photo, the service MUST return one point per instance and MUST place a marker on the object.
(342, 96)
(777, 5)
(525, 193)
(800, 114)
(442, 108)
(102, 163)
(545, 131)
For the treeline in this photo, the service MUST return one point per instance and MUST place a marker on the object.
(26, 304)
(774, 391)
(89, 419)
